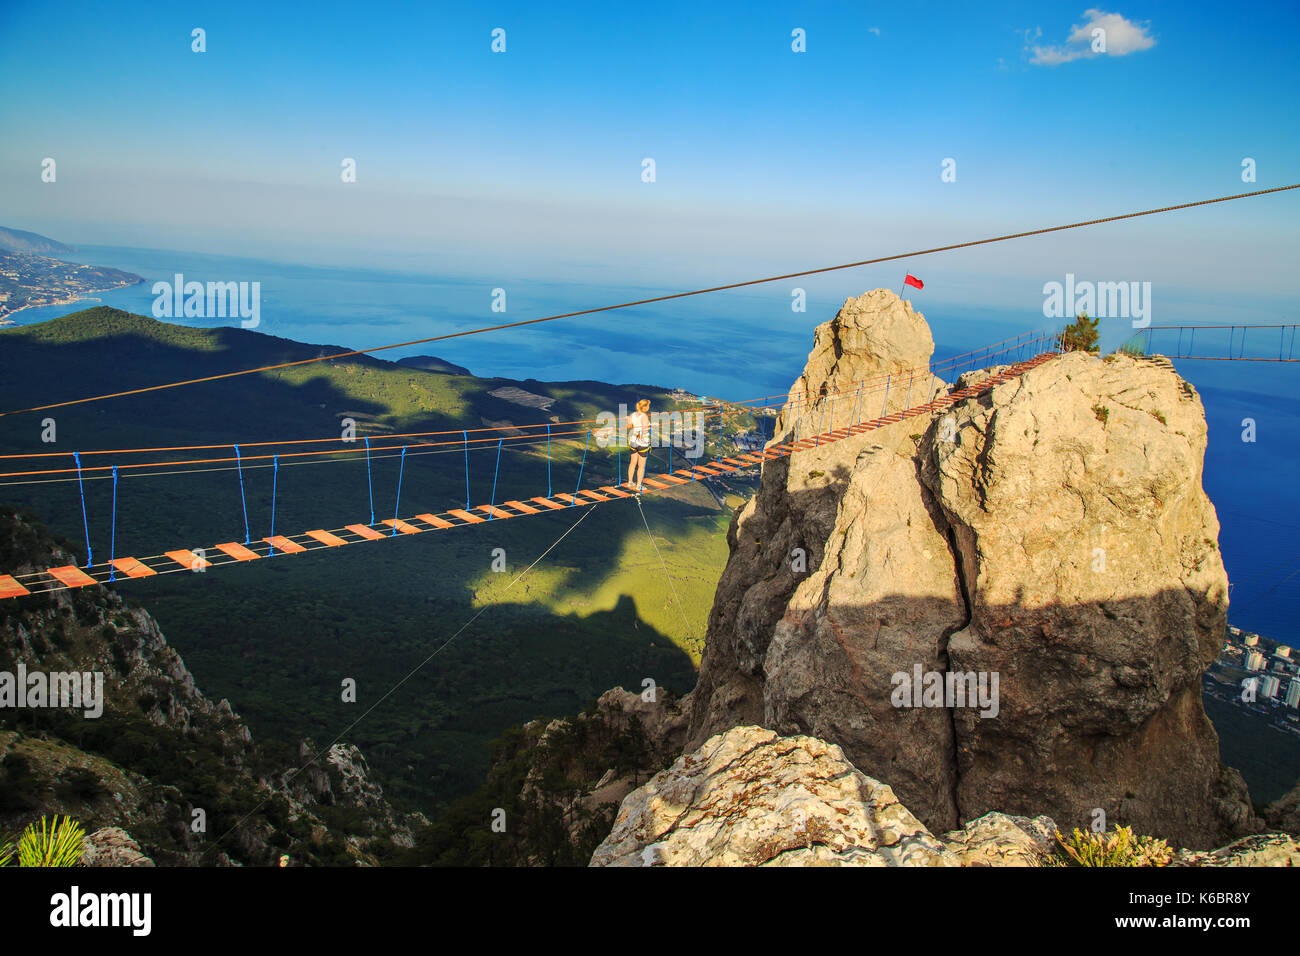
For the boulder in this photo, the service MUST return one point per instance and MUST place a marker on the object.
(112, 846)
(751, 798)
(1000, 839)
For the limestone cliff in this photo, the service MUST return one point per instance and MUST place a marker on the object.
(1052, 532)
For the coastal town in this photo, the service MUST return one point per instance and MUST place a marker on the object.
(1258, 675)
(29, 281)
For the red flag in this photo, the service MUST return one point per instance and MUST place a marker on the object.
(913, 280)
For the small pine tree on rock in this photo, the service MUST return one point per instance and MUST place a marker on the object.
(1082, 335)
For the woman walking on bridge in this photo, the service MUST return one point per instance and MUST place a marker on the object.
(638, 424)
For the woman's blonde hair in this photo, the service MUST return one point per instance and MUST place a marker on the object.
(643, 405)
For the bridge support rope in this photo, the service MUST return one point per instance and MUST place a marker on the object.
(112, 539)
(90, 558)
(243, 500)
(676, 600)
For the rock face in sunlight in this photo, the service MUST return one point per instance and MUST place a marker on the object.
(751, 798)
(1050, 539)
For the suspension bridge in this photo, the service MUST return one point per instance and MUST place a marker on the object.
(858, 399)
(1221, 343)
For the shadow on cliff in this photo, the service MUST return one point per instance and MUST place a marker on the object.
(1064, 716)
(1098, 703)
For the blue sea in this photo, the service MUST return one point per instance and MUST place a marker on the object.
(747, 343)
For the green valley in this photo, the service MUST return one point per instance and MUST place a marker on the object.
(279, 637)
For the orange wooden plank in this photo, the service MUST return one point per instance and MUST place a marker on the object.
(673, 479)
(11, 588)
(324, 537)
(594, 496)
(281, 543)
(365, 531)
(465, 516)
(520, 506)
(495, 512)
(565, 496)
(657, 485)
(546, 503)
(71, 575)
(616, 492)
(133, 568)
(188, 559)
(238, 551)
(401, 526)
(435, 521)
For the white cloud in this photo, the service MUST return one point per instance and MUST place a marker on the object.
(1119, 37)
(875, 30)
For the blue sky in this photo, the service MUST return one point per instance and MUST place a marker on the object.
(529, 161)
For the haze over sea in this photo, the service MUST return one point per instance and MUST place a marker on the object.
(748, 343)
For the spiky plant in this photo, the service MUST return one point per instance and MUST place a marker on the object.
(1120, 848)
(58, 844)
(6, 851)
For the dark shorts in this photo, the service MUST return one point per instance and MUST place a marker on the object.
(641, 451)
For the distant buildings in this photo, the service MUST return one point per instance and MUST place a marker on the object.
(1293, 693)
(1259, 676)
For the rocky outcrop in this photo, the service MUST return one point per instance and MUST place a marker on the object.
(163, 763)
(999, 839)
(1263, 849)
(1052, 534)
(555, 785)
(625, 734)
(112, 846)
(1284, 814)
(751, 798)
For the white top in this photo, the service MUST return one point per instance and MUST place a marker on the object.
(640, 424)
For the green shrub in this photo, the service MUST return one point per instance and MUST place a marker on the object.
(1102, 413)
(83, 784)
(1120, 848)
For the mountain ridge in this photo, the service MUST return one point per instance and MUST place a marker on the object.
(30, 243)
